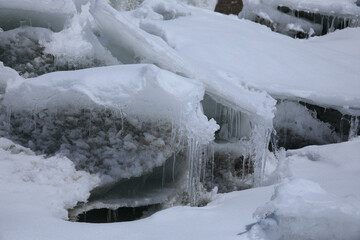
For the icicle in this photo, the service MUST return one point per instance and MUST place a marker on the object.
(354, 127)
(173, 167)
(163, 177)
(108, 218)
(115, 215)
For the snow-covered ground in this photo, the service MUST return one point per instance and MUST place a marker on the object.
(33, 202)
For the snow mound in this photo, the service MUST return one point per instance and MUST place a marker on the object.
(301, 209)
(51, 183)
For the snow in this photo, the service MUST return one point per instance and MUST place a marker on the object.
(31, 183)
(328, 204)
(301, 209)
(320, 201)
(240, 66)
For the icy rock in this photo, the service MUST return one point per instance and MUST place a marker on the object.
(301, 209)
(229, 6)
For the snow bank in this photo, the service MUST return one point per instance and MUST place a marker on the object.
(301, 209)
(335, 166)
(32, 182)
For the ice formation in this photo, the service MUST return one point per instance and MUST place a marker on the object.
(302, 19)
(108, 120)
(144, 126)
(298, 126)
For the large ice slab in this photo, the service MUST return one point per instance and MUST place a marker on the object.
(323, 70)
(132, 38)
(120, 121)
(44, 13)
